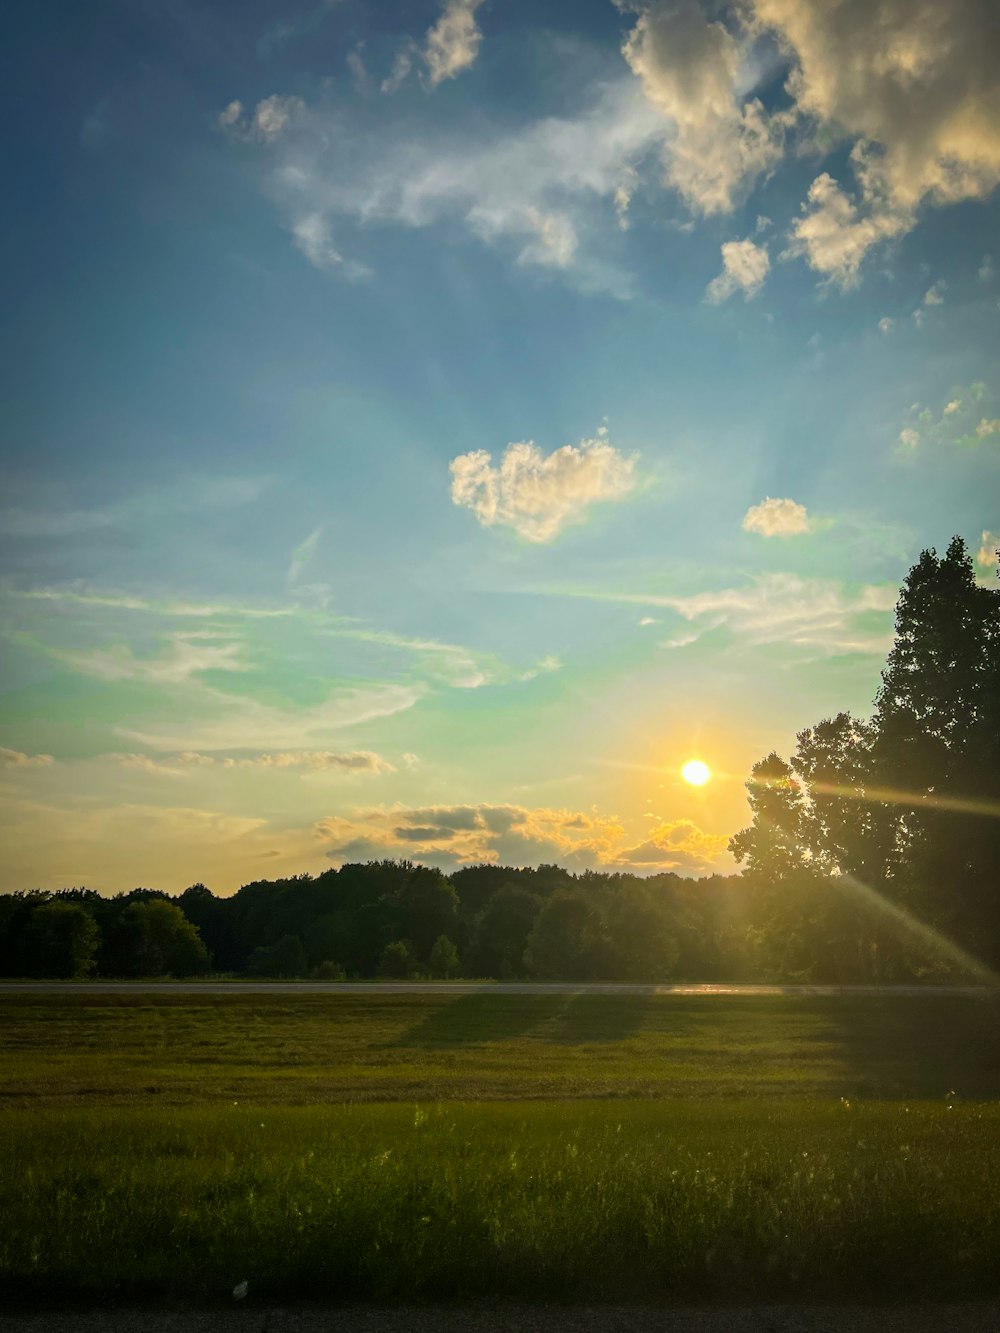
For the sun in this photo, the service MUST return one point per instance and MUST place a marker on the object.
(696, 773)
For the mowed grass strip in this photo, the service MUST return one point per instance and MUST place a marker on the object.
(581, 1201)
(90, 1049)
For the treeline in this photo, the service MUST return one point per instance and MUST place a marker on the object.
(390, 919)
(873, 855)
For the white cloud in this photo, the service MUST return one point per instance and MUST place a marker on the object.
(537, 495)
(950, 408)
(989, 543)
(935, 294)
(453, 42)
(909, 438)
(986, 270)
(834, 235)
(18, 759)
(915, 87)
(776, 518)
(231, 115)
(690, 69)
(744, 268)
(886, 324)
(271, 117)
(988, 427)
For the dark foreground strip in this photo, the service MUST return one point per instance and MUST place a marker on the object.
(525, 1319)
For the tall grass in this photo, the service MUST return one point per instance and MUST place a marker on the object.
(583, 1200)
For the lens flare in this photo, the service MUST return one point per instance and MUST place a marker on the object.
(696, 772)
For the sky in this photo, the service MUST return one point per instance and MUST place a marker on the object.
(426, 426)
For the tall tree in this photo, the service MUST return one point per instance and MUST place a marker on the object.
(937, 716)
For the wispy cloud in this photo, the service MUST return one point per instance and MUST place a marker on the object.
(196, 495)
(186, 655)
(18, 759)
(820, 614)
(539, 190)
(316, 761)
(233, 723)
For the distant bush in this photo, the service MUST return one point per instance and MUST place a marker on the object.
(328, 972)
(444, 958)
(398, 961)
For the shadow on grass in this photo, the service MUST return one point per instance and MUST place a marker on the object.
(570, 1020)
(472, 1020)
(599, 1018)
(898, 1047)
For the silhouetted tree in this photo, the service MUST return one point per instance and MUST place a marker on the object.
(502, 932)
(154, 938)
(62, 940)
(565, 940)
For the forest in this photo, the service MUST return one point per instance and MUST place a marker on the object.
(873, 854)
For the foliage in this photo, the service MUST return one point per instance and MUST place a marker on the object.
(873, 854)
(62, 940)
(328, 971)
(286, 958)
(154, 938)
(398, 961)
(444, 958)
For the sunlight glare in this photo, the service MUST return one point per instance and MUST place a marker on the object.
(696, 772)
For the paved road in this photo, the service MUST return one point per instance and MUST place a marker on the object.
(460, 988)
(526, 1319)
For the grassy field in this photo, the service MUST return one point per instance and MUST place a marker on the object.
(303, 1050)
(429, 1147)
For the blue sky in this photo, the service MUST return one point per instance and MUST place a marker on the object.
(426, 426)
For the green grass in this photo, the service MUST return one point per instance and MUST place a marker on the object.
(164, 1148)
(308, 1049)
(643, 1200)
